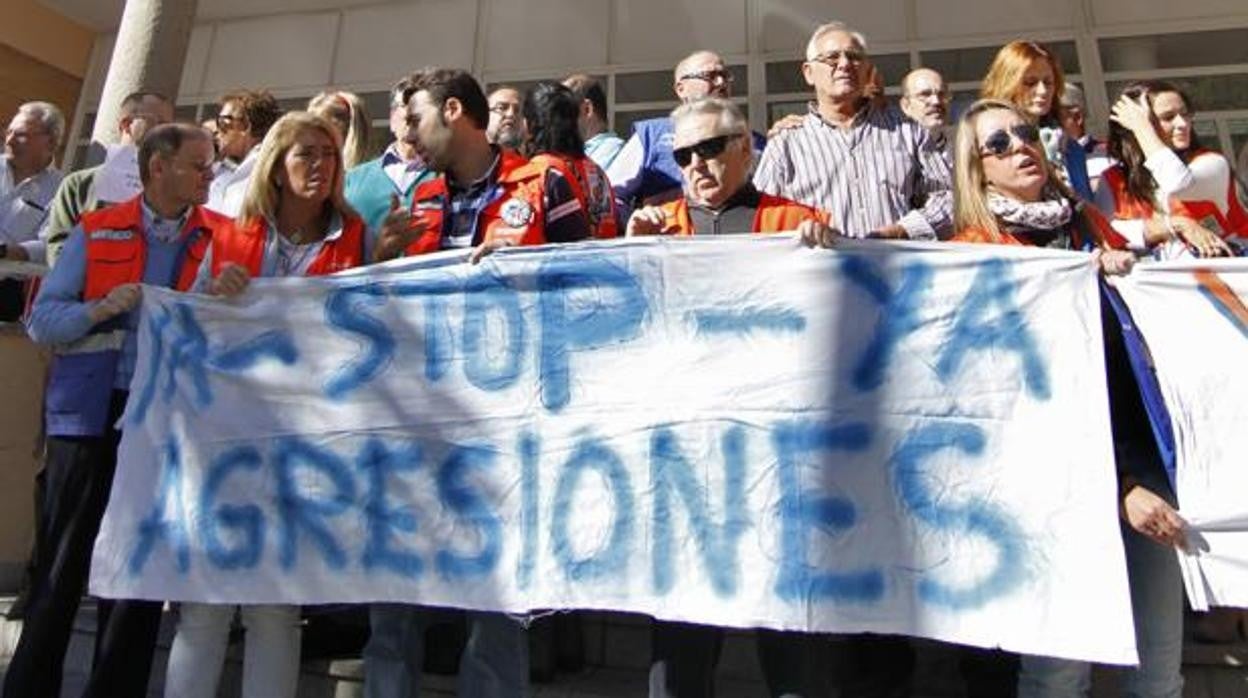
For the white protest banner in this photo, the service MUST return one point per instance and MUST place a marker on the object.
(1193, 316)
(889, 438)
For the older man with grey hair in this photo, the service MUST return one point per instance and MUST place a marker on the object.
(1074, 115)
(28, 182)
(863, 163)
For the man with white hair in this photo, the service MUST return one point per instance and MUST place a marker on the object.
(863, 163)
(643, 172)
(1074, 114)
(27, 183)
(711, 146)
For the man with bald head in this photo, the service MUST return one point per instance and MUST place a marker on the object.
(644, 172)
(925, 99)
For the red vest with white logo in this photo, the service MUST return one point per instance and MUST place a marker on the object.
(1227, 218)
(591, 187)
(516, 212)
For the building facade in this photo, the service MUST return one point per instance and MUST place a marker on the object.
(296, 48)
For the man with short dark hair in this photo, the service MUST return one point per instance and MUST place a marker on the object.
(485, 197)
(79, 191)
(601, 144)
(370, 185)
(507, 127)
(242, 123)
(84, 311)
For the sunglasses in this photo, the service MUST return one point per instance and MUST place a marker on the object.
(710, 76)
(707, 149)
(1000, 143)
(852, 56)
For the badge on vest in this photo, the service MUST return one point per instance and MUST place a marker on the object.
(112, 234)
(516, 213)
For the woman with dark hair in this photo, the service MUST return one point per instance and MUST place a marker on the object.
(1029, 75)
(551, 111)
(1167, 194)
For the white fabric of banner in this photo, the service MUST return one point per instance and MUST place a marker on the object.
(895, 438)
(1192, 314)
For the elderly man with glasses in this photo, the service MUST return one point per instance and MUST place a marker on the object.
(27, 178)
(643, 172)
(863, 163)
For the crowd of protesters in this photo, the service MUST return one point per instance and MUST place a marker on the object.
(269, 194)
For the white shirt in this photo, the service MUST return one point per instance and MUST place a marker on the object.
(402, 172)
(225, 196)
(24, 205)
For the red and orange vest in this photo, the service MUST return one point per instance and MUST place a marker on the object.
(1232, 223)
(591, 187)
(245, 245)
(774, 215)
(517, 212)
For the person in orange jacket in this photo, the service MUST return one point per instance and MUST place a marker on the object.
(85, 311)
(713, 150)
(486, 197)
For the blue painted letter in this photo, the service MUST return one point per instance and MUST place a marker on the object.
(899, 314)
(459, 496)
(157, 525)
(800, 509)
(994, 285)
(585, 304)
(344, 310)
(248, 520)
(378, 462)
(670, 470)
(973, 518)
(612, 558)
(487, 292)
(298, 511)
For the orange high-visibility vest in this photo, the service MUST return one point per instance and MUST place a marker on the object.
(774, 215)
(245, 245)
(591, 187)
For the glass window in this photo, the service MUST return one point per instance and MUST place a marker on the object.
(1174, 50)
(1207, 92)
(185, 113)
(377, 104)
(656, 85)
(785, 77)
(970, 64)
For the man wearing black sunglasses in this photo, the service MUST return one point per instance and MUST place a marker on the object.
(644, 172)
(712, 148)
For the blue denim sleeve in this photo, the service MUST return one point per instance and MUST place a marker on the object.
(59, 315)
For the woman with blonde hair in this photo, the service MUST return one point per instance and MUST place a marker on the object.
(1005, 194)
(294, 222)
(1029, 75)
(345, 110)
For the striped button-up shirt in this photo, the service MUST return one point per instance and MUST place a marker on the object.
(24, 204)
(868, 176)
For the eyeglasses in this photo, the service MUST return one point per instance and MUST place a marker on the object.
(505, 108)
(999, 142)
(227, 122)
(707, 149)
(710, 76)
(831, 58)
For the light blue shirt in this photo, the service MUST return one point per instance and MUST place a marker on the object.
(603, 148)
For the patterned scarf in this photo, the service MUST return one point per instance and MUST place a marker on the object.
(1042, 222)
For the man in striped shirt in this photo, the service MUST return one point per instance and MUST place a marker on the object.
(864, 164)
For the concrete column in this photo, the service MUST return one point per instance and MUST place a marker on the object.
(148, 56)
